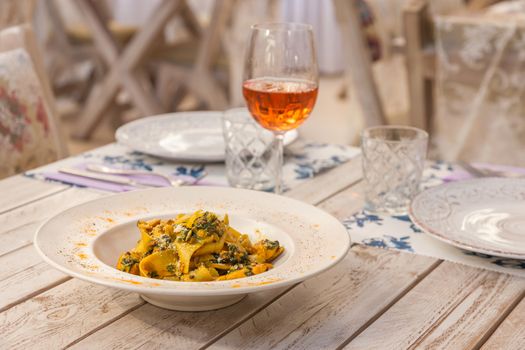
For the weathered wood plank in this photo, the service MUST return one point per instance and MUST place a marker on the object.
(23, 274)
(350, 201)
(452, 308)
(167, 333)
(68, 332)
(345, 203)
(511, 333)
(371, 292)
(18, 237)
(18, 226)
(323, 312)
(203, 327)
(18, 190)
(57, 317)
(326, 185)
(149, 327)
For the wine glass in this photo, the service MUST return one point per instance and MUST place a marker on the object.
(280, 79)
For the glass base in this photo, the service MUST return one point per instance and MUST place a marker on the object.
(258, 186)
(376, 209)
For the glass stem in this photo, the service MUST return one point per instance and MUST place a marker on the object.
(280, 162)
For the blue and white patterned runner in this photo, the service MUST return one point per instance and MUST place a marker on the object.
(398, 232)
(302, 162)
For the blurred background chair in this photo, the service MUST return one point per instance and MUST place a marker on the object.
(358, 59)
(16, 12)
(71, 57)
(466, 81)
(203, 72)
(124, 70)
(119, 60)
(29, 132)
(133, 60)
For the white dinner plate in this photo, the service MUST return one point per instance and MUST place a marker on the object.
(86, 241)
(485, 215)
(182, 136)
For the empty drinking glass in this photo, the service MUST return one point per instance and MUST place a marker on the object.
(252, 152)
(393, 161)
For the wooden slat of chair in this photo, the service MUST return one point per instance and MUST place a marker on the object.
(125, 69)
(419, 62)
(190, 20)
(123, 65)
(476, 5)
(16, 12)
(97, 15)
(359, 66)
(201, 79)
(175, 81)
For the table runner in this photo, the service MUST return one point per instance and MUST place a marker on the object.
(302, 162)
(398, 232)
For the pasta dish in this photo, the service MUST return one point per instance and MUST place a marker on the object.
(197, 247)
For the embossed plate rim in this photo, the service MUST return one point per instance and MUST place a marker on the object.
(447, 237)
(216, 153)
(319, 239)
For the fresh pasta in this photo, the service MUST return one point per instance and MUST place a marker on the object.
(197, 247)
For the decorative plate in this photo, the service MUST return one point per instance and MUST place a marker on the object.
(182, 136)
(86, 241)
(485, 215)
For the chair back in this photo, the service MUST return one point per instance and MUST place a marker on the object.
(358, 62)
(465, 78)
(16, 12)
(480, 89)
(29, 131)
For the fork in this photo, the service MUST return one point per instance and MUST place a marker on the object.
(476, 172)
(99, 168)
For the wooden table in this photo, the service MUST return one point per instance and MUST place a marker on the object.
(373, 299)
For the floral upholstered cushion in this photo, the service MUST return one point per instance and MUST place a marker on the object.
(26, 136)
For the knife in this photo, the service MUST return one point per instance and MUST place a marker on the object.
(107, 178)
(474, 172)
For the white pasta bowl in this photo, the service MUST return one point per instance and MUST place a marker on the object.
(85, 241)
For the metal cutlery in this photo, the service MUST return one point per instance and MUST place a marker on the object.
(102, 177)
(102, 169)
(104, 173)
(476, 172)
